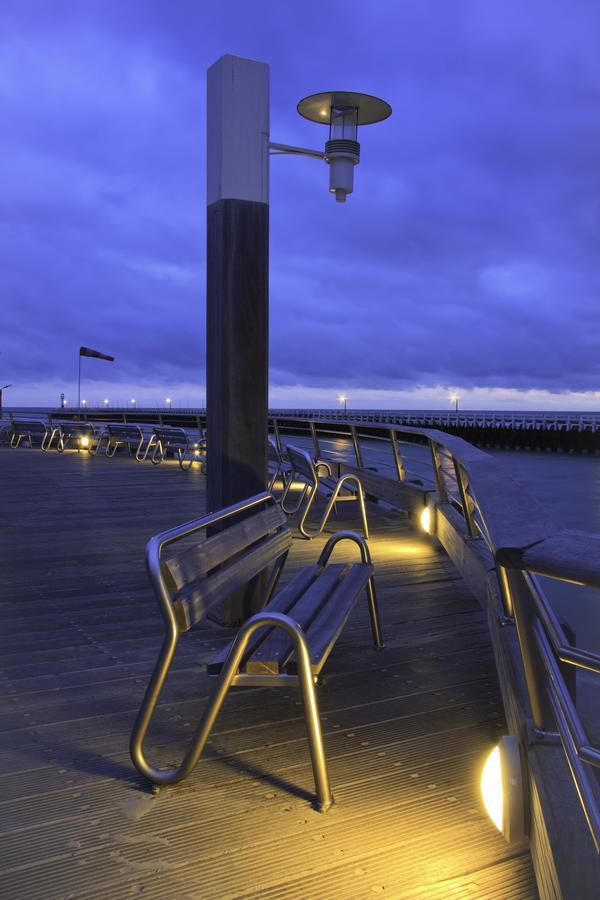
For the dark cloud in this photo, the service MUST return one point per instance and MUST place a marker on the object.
(468, 254)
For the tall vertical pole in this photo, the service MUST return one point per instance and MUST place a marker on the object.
(79, 384)
(237, 284)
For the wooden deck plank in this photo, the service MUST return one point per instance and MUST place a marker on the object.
(405, 729)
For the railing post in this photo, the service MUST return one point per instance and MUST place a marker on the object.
(276, 434)
(315, 439)
(397, 456)
(525, 616)
(437, 468)
(464, 499)
(357, 450)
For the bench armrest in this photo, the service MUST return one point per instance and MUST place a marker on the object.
(327, 550)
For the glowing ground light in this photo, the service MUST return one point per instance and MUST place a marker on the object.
(84, 441)
(502, 789)
(491, 787)
(426, 520)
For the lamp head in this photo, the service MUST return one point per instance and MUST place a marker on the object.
(343, 112)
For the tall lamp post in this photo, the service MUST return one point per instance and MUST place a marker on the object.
(238, 148)
(343, 399)
(454, 399)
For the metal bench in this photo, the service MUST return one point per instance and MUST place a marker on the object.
(114, 435)
(315, 477)
(286, 644)
(165, 439)
(25, 430)
(84, 434)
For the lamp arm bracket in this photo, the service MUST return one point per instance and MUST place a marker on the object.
(280, 149)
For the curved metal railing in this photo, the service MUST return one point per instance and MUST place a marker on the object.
(524, 542)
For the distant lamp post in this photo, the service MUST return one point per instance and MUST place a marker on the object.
(133, 402)
(168, 401)
(454, 399)
(343, 399)
(84, 402)
(3, 388)
(106, 402)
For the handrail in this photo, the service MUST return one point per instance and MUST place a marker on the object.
(524, 540)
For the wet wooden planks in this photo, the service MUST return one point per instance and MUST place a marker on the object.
(405, 729)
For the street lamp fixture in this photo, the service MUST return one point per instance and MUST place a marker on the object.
(343, 399)
(342, 112)
(454, 398)
(133, 402)
(84, 402)
(106, 402)
(168, 402)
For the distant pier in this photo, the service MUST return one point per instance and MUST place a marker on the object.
(559, 432)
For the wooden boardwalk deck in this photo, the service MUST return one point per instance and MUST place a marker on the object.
(405, 729)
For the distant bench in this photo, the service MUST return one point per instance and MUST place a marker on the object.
(286, 644)
(166, 439)
(27, 430)
(83, 433)
(115, 435)
(315, 477)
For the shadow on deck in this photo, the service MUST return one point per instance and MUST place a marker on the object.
(405, 729)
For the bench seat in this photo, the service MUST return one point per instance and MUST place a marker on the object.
(319, 599)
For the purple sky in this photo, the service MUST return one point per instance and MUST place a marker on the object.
(467, 259)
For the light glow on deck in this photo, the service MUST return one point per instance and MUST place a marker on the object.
(426, 520)
(84, 441)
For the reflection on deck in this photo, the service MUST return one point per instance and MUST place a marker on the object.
(406, 729)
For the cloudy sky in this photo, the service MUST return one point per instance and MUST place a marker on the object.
(467, 259)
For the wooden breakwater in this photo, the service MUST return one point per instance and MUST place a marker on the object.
(554, 432)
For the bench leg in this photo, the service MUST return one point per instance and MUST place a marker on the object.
(324, 797)
(365, 555)
(111, 448)
(141, 454)
(159, 454)
(47, 440)
(183, 463)
(283, 502)
(374, 614)
(331, 505)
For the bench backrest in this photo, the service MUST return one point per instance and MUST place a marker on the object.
(22, 426)
(274, 454)
(74, 428)
(302, 464)
(167, 435)
(131, 432)
(206, 572)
